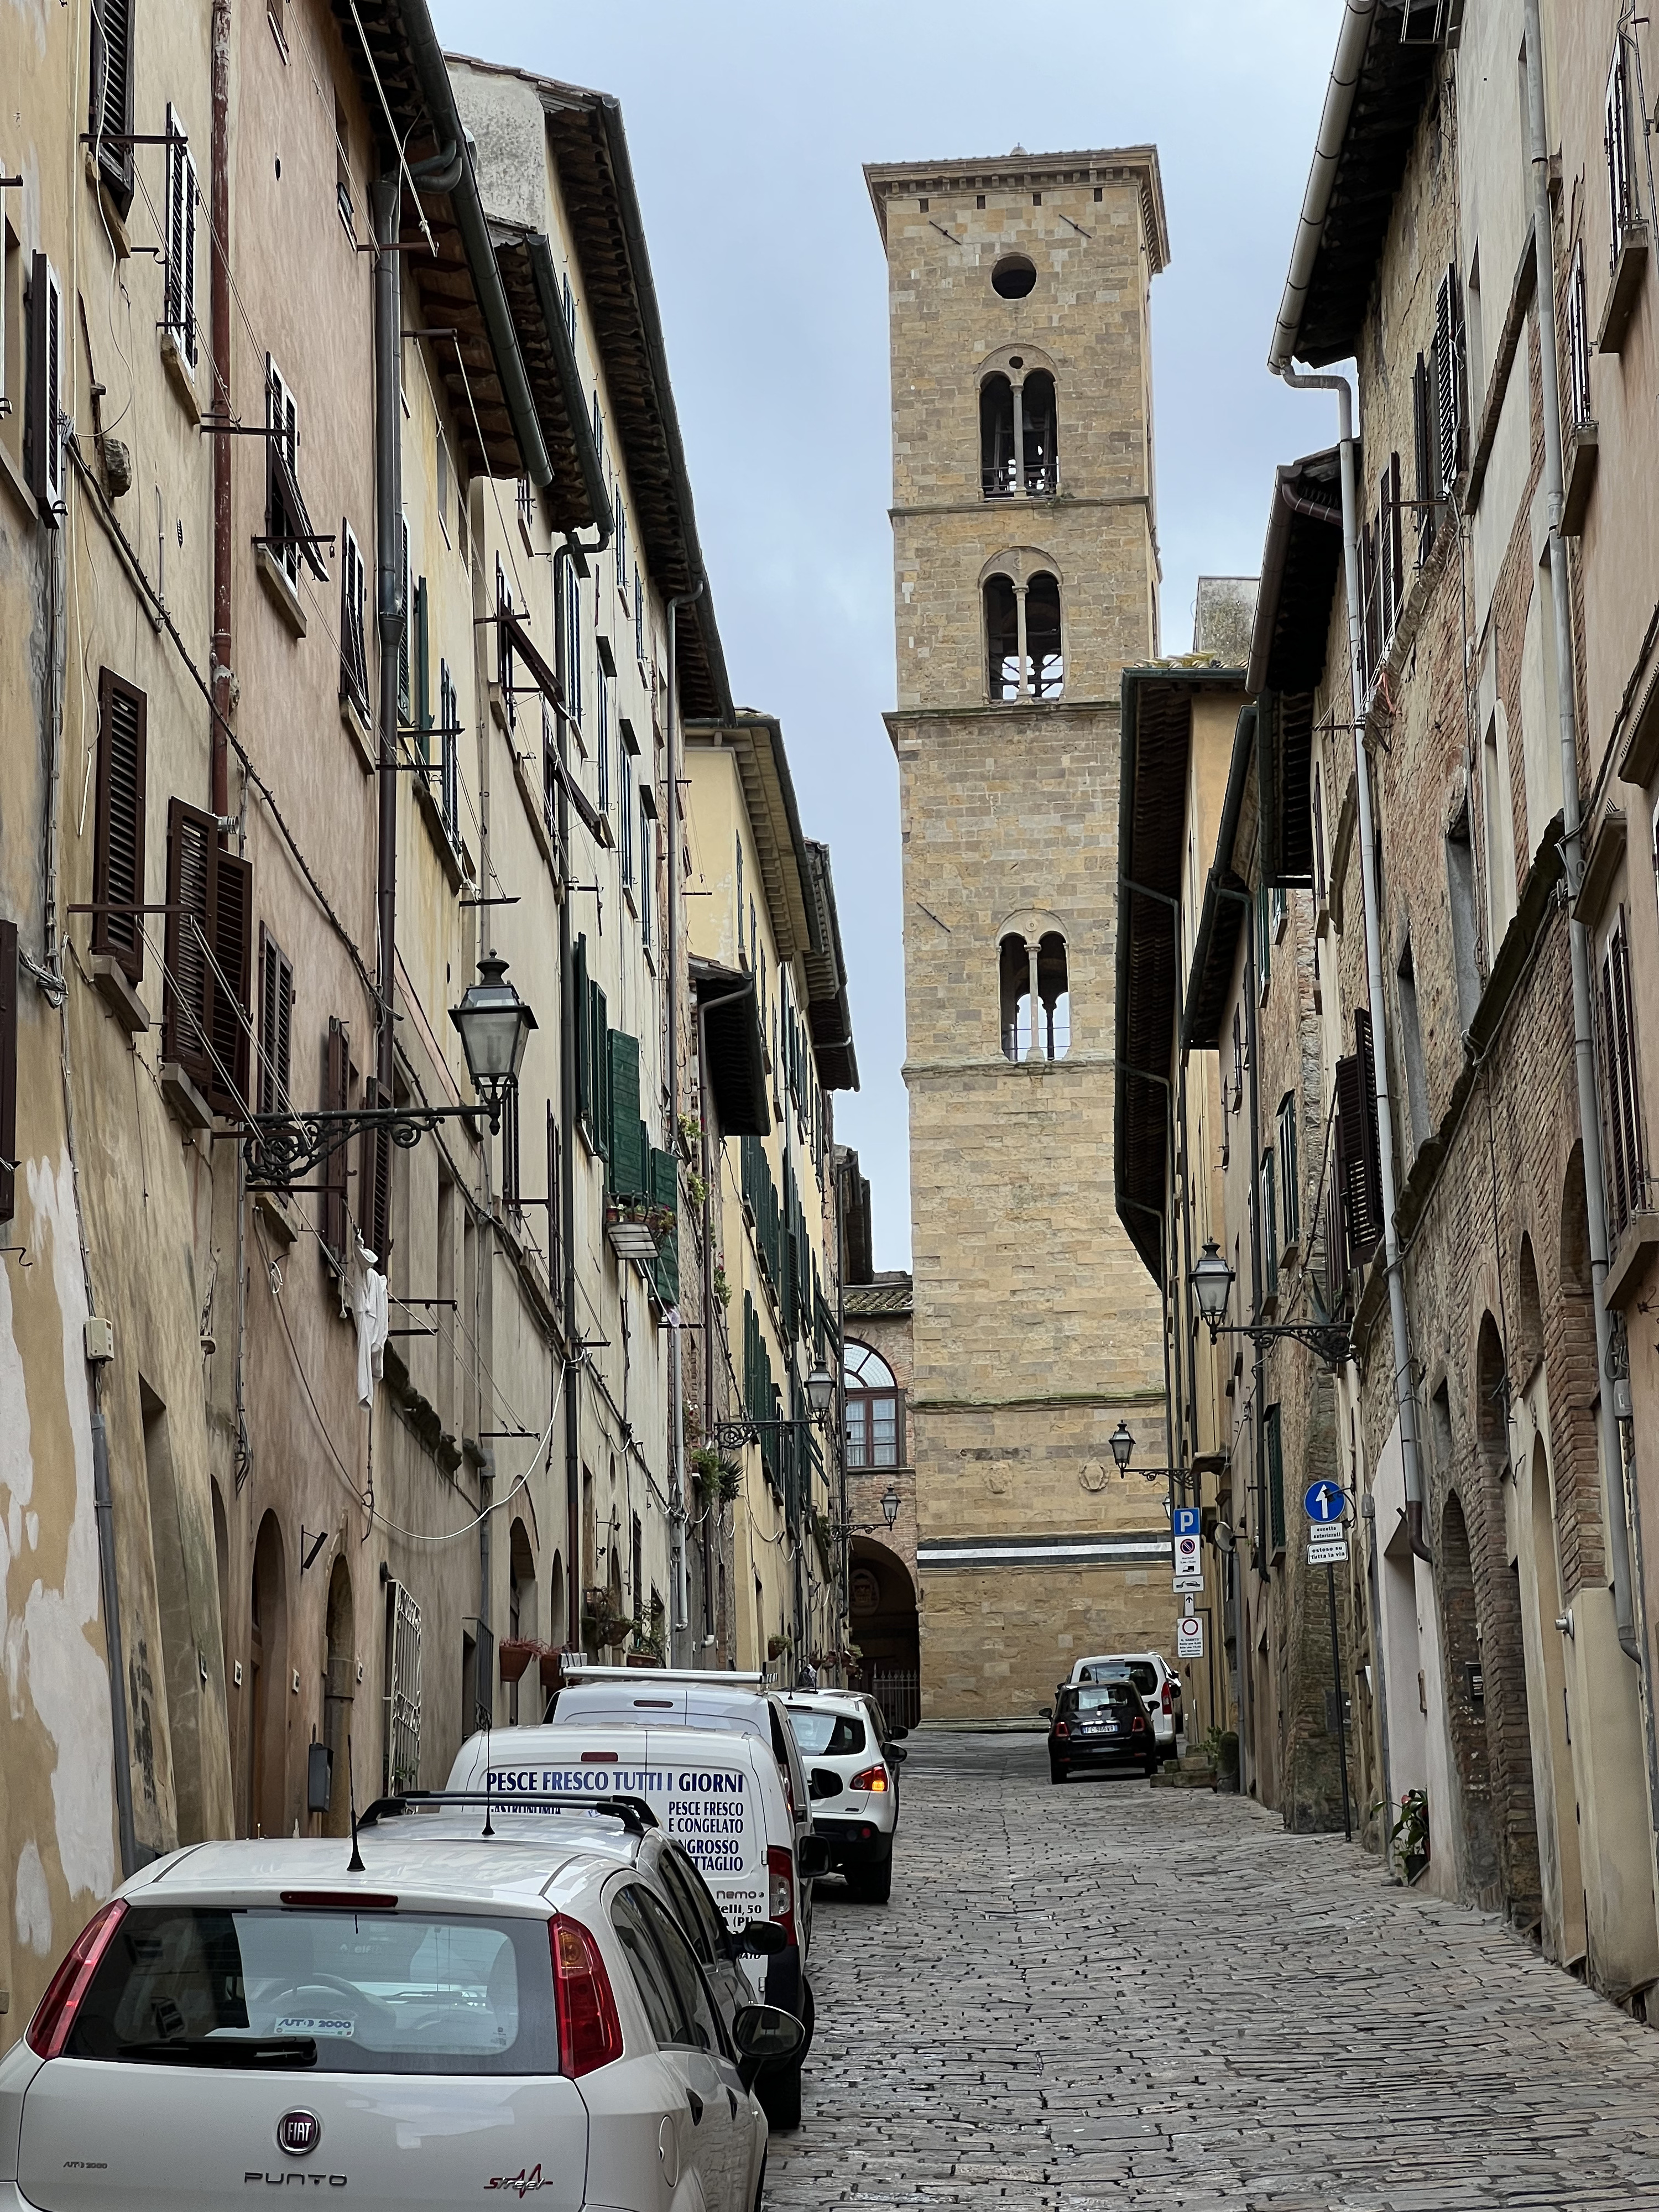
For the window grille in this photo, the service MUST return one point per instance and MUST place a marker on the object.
(1624, 194)
(1626, 1167)
(353, 655)
(403, 1693)
(178, 277)
(1579, 350)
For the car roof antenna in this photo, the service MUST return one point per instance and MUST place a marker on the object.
(487, 1829)
(355, 1863)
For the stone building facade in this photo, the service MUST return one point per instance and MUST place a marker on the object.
(1026, 578)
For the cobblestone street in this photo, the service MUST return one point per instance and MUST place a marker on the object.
(1108, 1995)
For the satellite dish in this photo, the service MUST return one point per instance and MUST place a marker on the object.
(1224, 1538)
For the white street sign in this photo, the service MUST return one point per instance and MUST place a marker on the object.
(1189, 1561)
(1188, 1582)
(1326, 1549)
(1189, 1636)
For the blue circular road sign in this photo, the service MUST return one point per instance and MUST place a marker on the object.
(1324, 1501)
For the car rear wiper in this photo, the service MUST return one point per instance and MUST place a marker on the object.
(238, 2051)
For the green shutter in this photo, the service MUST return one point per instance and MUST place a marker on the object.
(600, 1031)
(1275, 1480)
(584, 1034)
(665, 1191)
(622, 1148)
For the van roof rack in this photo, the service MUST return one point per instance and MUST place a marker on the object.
(635, 1815)
(646, 1676)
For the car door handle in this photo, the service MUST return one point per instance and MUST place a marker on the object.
(695, 2103)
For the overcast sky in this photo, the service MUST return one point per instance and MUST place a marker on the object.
(748, 124)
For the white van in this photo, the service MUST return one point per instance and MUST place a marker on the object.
(718, 1794)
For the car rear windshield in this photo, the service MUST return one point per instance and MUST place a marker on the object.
(826, 1735)
(1143, 1674)
(1093, 1695)
(372, 1992)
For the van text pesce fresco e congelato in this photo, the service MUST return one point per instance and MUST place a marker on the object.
(707, 1808)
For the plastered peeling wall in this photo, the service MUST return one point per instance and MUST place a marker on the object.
(58, 1752)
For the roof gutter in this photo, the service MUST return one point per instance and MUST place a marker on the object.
(1351, 42)
(609, 111)
(439, 95)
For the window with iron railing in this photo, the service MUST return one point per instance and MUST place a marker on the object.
(1626, 1154)
(1619, 135)
(1578, 345)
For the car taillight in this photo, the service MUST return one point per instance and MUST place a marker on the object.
(1169, 1702)
(781, 1889)
(1137, 1726)
(590, 2033)
(54, 2017)
(1060, 1729)
(869, 1778)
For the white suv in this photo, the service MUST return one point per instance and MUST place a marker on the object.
(448, 2016)
(852, 1763)
(1152, 1675)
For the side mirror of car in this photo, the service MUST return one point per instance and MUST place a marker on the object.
(823, 1782)
(1047, 1713)
(811, 1857)
(764, 2035)
(897, 1735)
(897, 1754)
(760, 1939)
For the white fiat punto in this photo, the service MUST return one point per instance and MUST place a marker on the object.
(461, 2020)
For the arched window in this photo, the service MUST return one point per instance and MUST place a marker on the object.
(1018, 454)
(1023, 655)
(875, 1409)
(1033, 975)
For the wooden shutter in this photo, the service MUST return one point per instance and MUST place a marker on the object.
(1394, 546)
(1275, 1455)
(422, 702)
(584, 1034)
(512, 1167)
(192, 838)
(179, 275)
(404, 702)
(1427, 489)
(43, 448)
(665, 1191)
(275, 1026)
(374, 1182)
(627, 1175)
(337, 1088)
(1626, 1171)
(8, 1070)
(599, 1059)
(1449, 378)
(110, 107)
(1358, 1158)
(555, 1198)
(1616, 131)
(229, 978)
(118, 841)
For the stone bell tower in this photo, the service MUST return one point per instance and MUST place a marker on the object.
(1026, 578)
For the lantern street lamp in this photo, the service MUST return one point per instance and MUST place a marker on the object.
(890, 1503)
(494, 1025)
(1123, 1447)
(1212, 1280)
(820, 1393)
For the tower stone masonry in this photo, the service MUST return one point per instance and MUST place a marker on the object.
(1026, 576)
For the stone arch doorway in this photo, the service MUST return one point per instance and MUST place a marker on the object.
(267, 1690)
(339, 1684)
(882, 1600)
(520, 1609)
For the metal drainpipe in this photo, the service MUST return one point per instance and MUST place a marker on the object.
(711, 1516)
(1583, 1049)
(567, 1106)
(681, 1624)
(1405, 1394)
(219, 340)
(389, 603)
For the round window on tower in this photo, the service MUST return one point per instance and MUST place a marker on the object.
(1014, 276)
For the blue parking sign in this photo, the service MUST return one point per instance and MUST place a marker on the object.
(1184, 1519)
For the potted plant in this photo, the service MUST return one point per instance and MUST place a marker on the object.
(552, 1667)
(514, 1654)
(722, 1288)
(1408, 1838)
(718, 1477)
(777, 1646)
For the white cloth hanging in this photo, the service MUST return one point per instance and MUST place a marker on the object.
(369, 1311)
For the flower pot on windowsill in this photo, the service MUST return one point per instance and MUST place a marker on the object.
(514, 1654)
(552, 1668)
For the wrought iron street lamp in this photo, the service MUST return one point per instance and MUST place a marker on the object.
(1212, 1280)
(494, 1025)
(890, 1503)
(732, 1435)
(820, 1393)
(1123, 1450)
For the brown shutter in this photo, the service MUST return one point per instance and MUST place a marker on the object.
(337, 1084)
(275, 1026)
(38, 403)
(117, 850)
(8, 1070)
(374, 1183)
(1358, 1165)
(192, 838)
(231, 912)
(555, 1198)
(110, 102)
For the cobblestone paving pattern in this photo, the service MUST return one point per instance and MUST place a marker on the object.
(1108, 1996)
